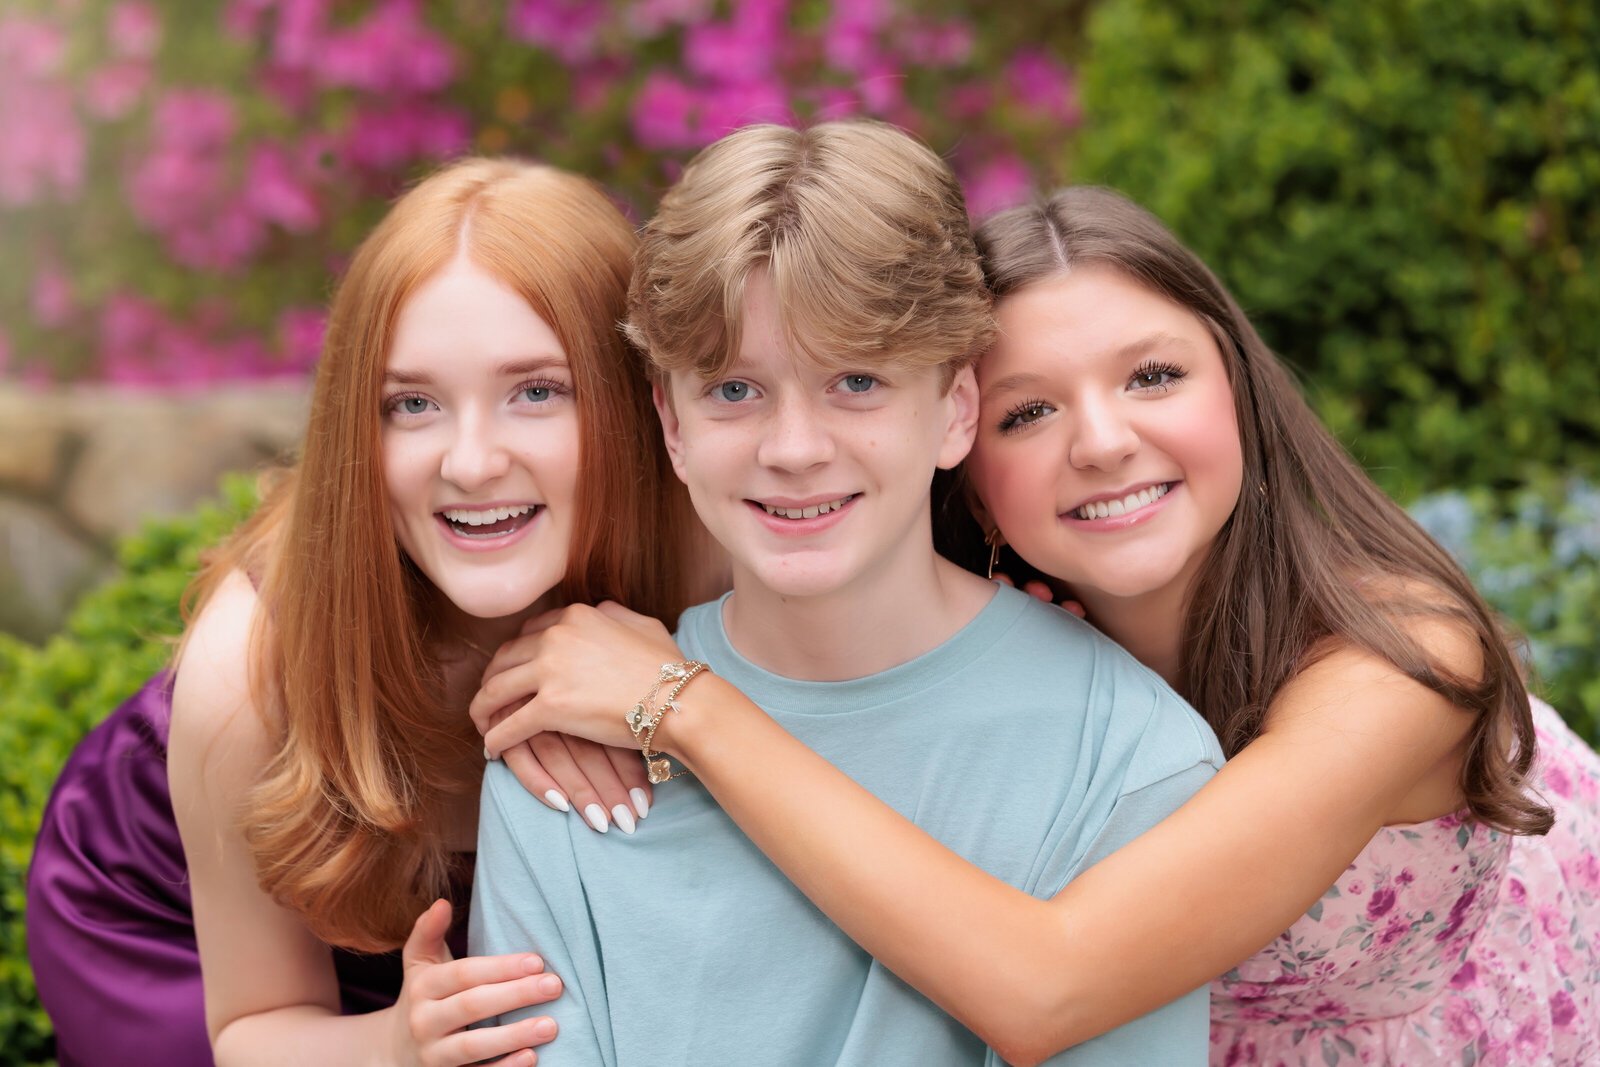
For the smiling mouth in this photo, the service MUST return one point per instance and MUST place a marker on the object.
(1105, 509)
(808, 512)
(489, 522)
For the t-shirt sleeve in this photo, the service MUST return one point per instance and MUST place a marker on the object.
(1176, 1033)
(518, 905)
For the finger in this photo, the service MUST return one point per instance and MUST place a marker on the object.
(1075, 607)
(1039, 590)
(515, 684)
(513, 724)
(552, 752)
(472, 1046)
(1003, 579)
(630, 770)
(542, 621)
(602, 778)
(426, 943)
(531, 773)
(440, 983)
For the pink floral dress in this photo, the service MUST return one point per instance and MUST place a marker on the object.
(1444, 943)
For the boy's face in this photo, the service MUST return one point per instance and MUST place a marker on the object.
(812, 479)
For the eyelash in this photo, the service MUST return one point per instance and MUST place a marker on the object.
(1012, 420)
(392, 404)
(1152, 367)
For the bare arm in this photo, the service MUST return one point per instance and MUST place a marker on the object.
(1350, 746)
(271, 994)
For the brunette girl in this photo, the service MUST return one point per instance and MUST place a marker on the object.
(1402, 838)
(478, 436)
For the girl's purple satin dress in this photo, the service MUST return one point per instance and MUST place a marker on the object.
(110, 931)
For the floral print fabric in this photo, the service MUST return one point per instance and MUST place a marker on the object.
(1443, 943)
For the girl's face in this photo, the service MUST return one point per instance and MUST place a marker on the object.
(480, 442)
(1108, 451)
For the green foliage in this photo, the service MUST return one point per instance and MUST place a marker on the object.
(1405, 197)
(117, 636)
(1535, 555)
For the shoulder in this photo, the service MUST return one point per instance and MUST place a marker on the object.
(214, 715)
(1145, 725)
(696, 623)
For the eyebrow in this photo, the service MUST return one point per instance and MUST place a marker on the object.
(514, 369)
(1130, 351)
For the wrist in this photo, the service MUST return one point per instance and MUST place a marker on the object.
(683, 733)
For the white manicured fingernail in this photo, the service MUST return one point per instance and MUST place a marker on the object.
(596, 816)
(641, 803)
(557, 801)
(487, 755)
(624, 818)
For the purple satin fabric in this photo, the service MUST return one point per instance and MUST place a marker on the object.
(110, 931)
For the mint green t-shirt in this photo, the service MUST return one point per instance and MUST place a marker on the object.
(1029, 743)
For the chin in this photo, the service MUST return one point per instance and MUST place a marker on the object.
(497, 603)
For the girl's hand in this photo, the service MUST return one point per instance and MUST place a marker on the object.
(553, 700)
(440, 996)
(1042, 592)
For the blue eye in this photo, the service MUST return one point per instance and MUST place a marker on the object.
(734, 391)
(858, 383)
(409, 405)
(536, 393)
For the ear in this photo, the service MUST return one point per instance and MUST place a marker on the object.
(962, 401)
(661, 393)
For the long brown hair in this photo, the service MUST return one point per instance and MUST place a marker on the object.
(345, 821)
(1314, 555)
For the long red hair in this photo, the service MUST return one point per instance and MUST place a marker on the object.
(345, 821)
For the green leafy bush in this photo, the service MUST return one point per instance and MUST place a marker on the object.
(116, 637)
(1405, 196)
(1535, 555)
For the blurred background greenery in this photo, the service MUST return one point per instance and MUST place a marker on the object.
(1404, 194)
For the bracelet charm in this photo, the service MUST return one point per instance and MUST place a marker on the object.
(643, 717)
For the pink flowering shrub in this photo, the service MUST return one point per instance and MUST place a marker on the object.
(180, 181)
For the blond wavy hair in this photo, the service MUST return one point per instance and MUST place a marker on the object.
(862, 229)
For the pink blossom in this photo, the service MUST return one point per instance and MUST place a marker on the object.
(134, 29)
(998, 184)
(45, 146)
(300, 332)
(648, 18)
(882, 87)
(968, 101)
(1043, 85)
(664, 112)
(1459, 1018)
(570, 29)
(383, 138)
(727, 107)
(835, 103)
(30, 48)
(52, 297)
(1395, 931)
(936, 44)
(1466, 976)
(850, 35)
(1558, 780)
(1381, 903)
(1562, 1008)
(390, 51)
(195, 120)
(745, 49)
(113, 90)
(274, 193)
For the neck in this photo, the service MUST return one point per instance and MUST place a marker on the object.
(911, 604)
(1149, 625)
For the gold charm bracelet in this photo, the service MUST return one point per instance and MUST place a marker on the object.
(643, 717)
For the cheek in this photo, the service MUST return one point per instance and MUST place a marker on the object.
(1011, 484)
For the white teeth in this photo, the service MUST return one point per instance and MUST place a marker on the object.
(485, 517)
(1104, 509)
(812, 511)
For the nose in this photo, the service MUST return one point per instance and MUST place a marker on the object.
(476, 455)
(796, 437)
(1102, 436)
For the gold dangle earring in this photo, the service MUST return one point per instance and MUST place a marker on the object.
(992, 539)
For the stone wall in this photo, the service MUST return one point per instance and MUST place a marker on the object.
(81, 466)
